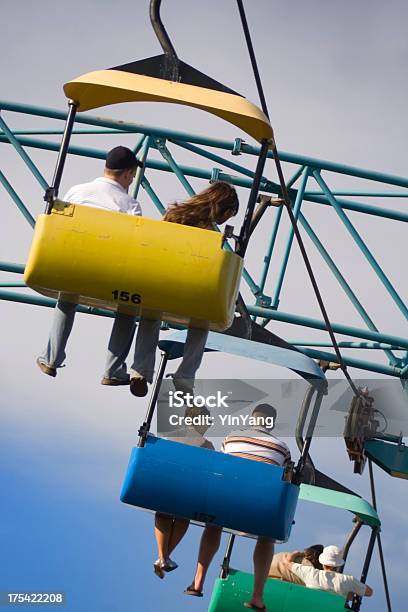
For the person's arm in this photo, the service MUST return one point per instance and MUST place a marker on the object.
(304, 572)
(134, 207)
(359, 588)
(290, 560)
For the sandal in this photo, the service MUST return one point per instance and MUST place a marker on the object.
(247, 604)
(164, 565)
(168, 565)
(158, 569)
(190, 590)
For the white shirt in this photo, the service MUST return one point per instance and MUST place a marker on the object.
(328, 581)
(257, 444)
(105, 193)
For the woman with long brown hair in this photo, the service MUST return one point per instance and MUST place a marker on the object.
(211, 207)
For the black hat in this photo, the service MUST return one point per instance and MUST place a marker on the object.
(121, 158)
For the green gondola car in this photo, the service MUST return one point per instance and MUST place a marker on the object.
(229, 595)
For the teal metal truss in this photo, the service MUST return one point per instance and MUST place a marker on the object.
(309, 184)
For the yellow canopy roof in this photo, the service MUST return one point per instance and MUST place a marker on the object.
(104, 87)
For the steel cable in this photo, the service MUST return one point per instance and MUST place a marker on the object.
(287, 202)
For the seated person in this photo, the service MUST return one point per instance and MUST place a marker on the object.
(109, 192)
(170, 530)
(329, 578)
(308, 557)
(257, 444)
(211, 207)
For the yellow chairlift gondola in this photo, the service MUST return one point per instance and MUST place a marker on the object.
(166, 271)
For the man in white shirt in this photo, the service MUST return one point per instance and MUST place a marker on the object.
(110, 192)
(329, 578)
(259, 444)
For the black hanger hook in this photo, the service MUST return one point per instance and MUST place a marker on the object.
(163, 37)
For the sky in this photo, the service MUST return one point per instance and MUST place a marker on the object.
(334, 76)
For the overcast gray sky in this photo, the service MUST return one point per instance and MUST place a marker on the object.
(335, 78)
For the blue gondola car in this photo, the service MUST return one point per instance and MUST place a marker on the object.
(210, 487)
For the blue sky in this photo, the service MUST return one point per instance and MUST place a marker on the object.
(335, 80)
(64, 456)
(63, 526)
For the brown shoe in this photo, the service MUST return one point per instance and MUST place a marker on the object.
(190, 590)
(138, 386)
(46, 369)
(115, 382)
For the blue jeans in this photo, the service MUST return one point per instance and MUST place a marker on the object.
(118, 348)
(145, 351)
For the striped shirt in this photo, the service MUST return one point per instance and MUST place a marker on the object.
(257, 444)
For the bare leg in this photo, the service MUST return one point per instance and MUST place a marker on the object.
(263, 554)
(162, 530)
(178, 532)
(210, 543)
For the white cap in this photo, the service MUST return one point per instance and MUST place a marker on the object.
(331, 556)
